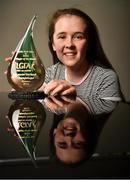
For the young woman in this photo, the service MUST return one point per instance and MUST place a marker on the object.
(80, 65)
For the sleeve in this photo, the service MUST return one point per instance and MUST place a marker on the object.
(47, 75)
(50, 73)
(98, 106)
(109, 87)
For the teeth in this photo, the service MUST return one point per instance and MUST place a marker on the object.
(70, 54)
(70, 127)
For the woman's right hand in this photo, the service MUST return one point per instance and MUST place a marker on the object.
(8, 60)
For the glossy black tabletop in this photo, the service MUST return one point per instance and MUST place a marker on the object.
(27, 129)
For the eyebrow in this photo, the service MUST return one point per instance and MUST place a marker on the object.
(77, 32)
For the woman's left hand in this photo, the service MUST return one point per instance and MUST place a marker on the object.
(59, 87)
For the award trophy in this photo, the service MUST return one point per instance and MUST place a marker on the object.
(27, 117)
(26, 72)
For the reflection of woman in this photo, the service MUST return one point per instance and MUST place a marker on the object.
(74, 134)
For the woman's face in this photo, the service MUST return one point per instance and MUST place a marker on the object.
(69, 141)
(70, 41)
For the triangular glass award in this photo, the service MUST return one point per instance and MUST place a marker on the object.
(26, 71)
(27, 119)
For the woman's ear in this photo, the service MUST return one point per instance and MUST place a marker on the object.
(54, 132)
(53, 47)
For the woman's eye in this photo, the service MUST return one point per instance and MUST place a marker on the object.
(79, 36)
(79, 144)
(62, 145)
(61, 37)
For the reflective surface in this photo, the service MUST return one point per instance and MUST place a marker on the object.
(64, 137)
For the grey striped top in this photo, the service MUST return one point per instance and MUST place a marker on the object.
(101, 82)
(95, 90)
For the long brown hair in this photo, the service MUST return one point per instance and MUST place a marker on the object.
(95, 54)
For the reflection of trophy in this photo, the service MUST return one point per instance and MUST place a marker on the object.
(27, 119)
(26, 71)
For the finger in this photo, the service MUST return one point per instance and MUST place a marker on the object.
(42, 87)
(58, 89)
(12, 89)
(50, 87)
(5, 72)
(57, 101)
(13, 52)
(8, 59)
(69, 99)
(70, 91)
(50, 104)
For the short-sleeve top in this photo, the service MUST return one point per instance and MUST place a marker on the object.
(100, 82)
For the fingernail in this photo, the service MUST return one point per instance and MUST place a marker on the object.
(52, 94)
(45, 91)
(63, 93)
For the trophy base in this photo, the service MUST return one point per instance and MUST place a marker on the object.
(26, 95)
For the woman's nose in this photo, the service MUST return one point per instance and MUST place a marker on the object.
(69, 43)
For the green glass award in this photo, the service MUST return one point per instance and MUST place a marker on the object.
(26, 71)
(27, 119)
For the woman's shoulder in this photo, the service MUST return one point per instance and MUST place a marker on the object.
(55, 66)
(104, 71)
(53, 71)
